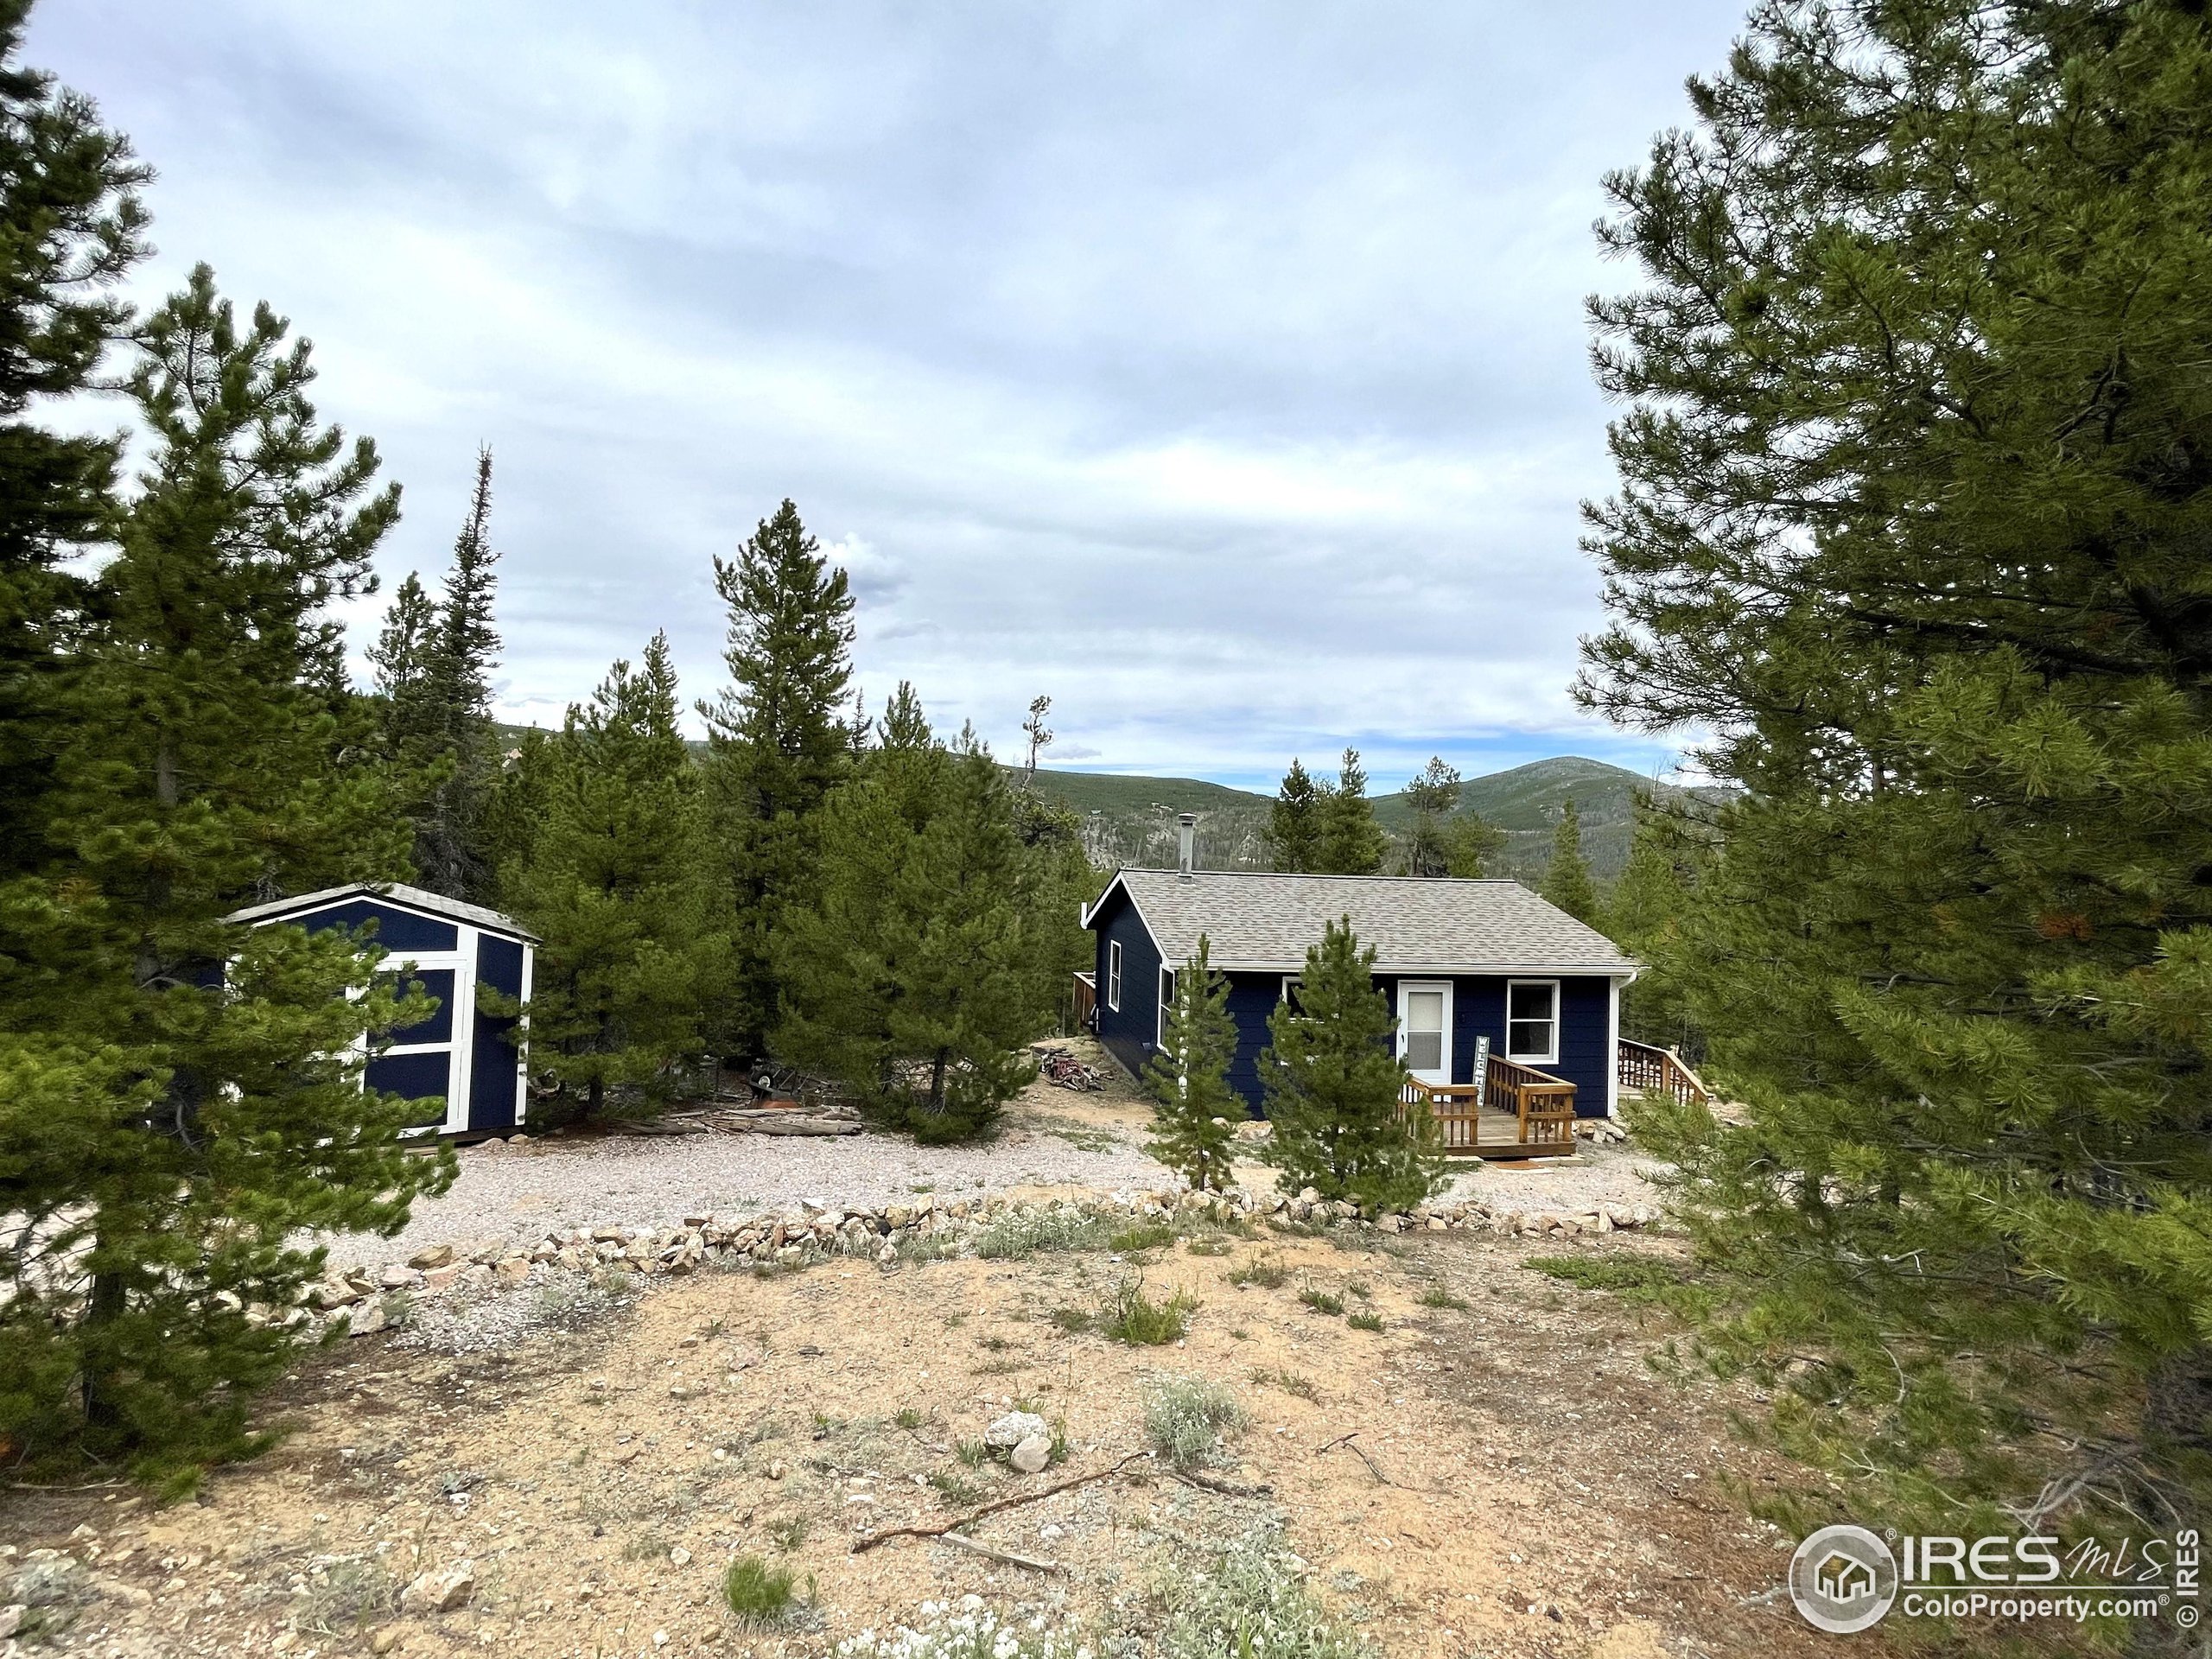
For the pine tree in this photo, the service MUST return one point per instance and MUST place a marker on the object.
(434, 666)
(1644, 916)
(1195, 1113)
(1912, 521)
(779, 743)
(968, 999)
(1352, 842)
(1434, 796)
(1294, 832)
(1567, 878)
(72, 225)
(200, 1081)
(1332, 1081)
(1471, 842)
(911, 972)
(617, 886)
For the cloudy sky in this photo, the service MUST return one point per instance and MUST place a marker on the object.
(1218, 369)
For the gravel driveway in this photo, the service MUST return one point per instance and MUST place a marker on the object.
(522, 1193)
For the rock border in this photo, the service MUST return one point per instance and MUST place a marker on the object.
(815, 1232)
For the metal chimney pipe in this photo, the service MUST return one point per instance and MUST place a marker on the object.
(1186, 835)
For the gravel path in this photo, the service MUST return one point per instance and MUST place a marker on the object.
(523, 1193)
(1595, 1175)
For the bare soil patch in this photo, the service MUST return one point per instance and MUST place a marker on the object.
(1505, 1479)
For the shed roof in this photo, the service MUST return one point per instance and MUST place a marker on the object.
(1253, 919)
(395, 892)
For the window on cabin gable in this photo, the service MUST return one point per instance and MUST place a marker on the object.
(1532, 1022)
(1166, 1002)
(1114, 975)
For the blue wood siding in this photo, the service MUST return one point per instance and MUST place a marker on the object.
(418, 1076)
(1252, 998)
(438, 1028)
(397, 929)
(493, 1077)
(1478, 1010)
(1128, 1032)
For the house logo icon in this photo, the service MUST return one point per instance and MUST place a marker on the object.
(1843, 1579)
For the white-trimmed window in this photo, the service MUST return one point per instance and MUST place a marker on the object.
(1167, 1002)
(1114, 975)
(1290, 992)
(1532, 1022)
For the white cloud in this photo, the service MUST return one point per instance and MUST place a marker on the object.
(1219, 372)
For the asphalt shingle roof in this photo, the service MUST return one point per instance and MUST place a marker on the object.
(1416, 923)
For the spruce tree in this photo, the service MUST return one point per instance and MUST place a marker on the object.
(616, 885)
(198, 1083)
(71, 224)
(1332, 1081)
(1567, 878)
(1911, 530)
(1434, 796)
(778, 743)
(1352, 841)
(1294, 832)
(1195, 1113)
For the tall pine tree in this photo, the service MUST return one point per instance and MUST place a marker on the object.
(617, 885)
(1567, 881)
(199, 1082)
(1914, 500)
(71, 224)
(1294, 832)
(1352, 841)
(779, 741)
(1195, 1113)
(1433, 796)
(1332, 1081)
(434, 664)
(912, 971)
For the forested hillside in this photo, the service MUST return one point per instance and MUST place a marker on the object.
(1131, 820)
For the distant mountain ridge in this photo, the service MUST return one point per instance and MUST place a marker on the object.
(1130, 819)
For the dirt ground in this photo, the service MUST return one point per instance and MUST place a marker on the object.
(1506, 1478)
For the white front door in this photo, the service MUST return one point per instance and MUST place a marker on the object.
(1425, 1028)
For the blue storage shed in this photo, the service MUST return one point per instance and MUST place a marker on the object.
(469, 1059)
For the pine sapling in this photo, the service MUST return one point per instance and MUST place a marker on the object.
(1194, 1111)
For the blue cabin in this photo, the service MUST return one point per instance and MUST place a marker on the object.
(460, 1055)
(1474, 971)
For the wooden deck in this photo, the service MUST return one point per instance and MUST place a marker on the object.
(1517, 1112)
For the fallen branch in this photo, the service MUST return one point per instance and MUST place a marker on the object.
(869, 1541)
(1360, 1451)
(1205, 1482)
(1006, 1556)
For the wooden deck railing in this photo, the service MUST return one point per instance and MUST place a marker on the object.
(1518, 1107)
(1659, 1072)
(1086, 1001)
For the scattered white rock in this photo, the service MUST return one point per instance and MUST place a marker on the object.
(1031, 1454)
(1009, 1431)
(441, 1591)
